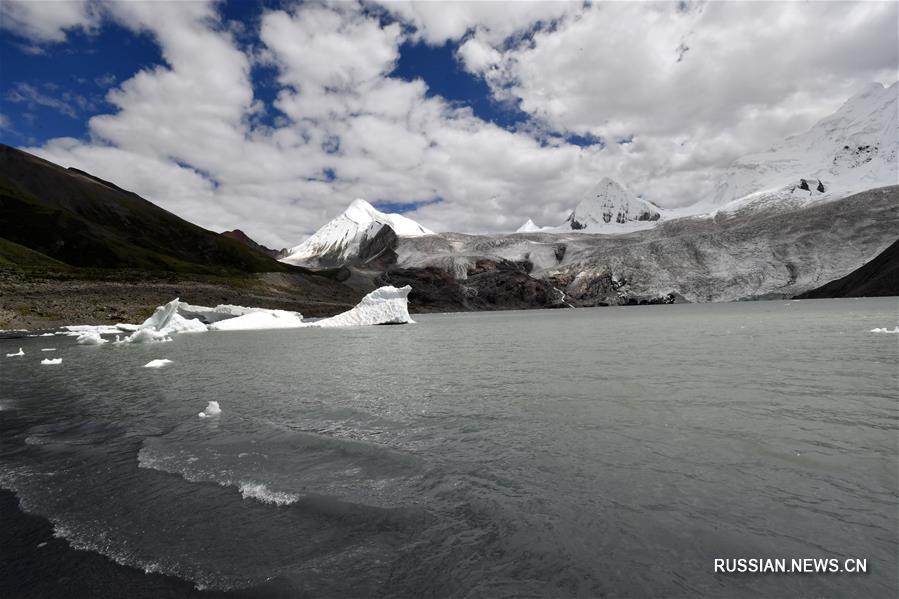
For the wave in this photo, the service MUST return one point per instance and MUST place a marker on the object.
(260, 492)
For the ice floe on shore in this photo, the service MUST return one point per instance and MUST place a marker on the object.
(885, 330)
(385, 305)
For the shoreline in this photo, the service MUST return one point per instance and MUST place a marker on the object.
(37, 564)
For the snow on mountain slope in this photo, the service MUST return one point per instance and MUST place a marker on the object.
(341, 238)
(610, 208)
(852, 150)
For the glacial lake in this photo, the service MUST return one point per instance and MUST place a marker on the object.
(568, 453)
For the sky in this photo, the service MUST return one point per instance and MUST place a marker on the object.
(271, 116)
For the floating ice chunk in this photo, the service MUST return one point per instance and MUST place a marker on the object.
(145, 336)
(220, 312)
(157, 363)
(90, 338)
(212, 409)
(261, 319)
(17, 354)
(883, 330)
(386, 305)
(167, 321)
(48, 349)
(49, 361)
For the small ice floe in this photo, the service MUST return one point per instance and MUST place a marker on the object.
(50, 361)
(883, 330)
(90, 338)
(212, 409)
(17, 354)
(48, 349)
(157, 363)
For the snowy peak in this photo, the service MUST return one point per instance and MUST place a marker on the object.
(608, 205)
(528, 227)
(852, 150)
(340, 240)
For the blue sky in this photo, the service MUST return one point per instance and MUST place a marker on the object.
(272, 116)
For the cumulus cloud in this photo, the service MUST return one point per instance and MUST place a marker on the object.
(689, 86)
(47, 21)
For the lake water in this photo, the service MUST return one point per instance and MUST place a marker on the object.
(568, 453)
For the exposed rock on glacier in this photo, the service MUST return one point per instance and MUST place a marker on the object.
(341, 239)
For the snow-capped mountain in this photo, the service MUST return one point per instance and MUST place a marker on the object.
(609, 208)
(852, 150)
(341, 239)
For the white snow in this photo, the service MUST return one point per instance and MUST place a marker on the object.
(157, 363)
(49, 361)
(885, 330)
(18, 353)
(261, 319)
(385, 305)
(90, 338)
(609, 208)
(212, 409)
(342, 237)
(852, 150)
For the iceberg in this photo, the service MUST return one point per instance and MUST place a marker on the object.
(879, 330)
(262, 319)
(49, 361)
(90, 338)
(212, 409)
(17, 354)
(385, 305)
(157, 363)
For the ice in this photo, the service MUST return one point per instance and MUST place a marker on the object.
(100, 329)
(157, 363)
(145, 336)
(48, 349)
(49, 361)
(882, 330)
(385, 305)
(263, 319)
(18, 353)
(90, 338)
(212, 409)
(167, 321)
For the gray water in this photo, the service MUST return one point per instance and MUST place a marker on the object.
(569, 453)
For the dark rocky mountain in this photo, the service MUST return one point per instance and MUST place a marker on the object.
(877, 278)
(80, 220)
(245, 239)
(77, 249)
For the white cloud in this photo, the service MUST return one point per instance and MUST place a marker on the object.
(186, 134)
(45, 21)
